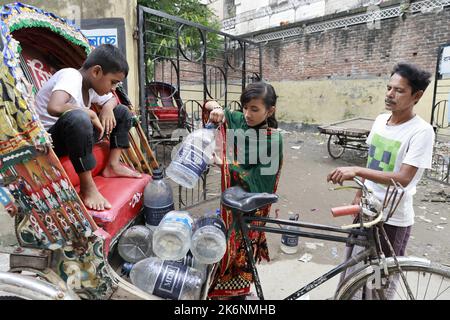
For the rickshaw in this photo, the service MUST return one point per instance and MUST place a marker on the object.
(64, 250)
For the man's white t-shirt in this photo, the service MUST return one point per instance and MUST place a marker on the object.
(69, 80)
(391, 146)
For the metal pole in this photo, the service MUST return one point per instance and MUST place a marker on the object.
(244, 65)
(436, 77)
(142, 73)
(260, 62)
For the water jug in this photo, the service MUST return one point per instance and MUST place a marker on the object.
(158, 199)
(167, 279)
(208, 243)
(172, 237)
(193, 157)
(136, 244)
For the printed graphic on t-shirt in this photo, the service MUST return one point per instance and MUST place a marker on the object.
(382, 153)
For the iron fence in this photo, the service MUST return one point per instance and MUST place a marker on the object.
(182, 65)
(440, 120)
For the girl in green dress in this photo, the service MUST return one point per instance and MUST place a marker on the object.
(252, 159)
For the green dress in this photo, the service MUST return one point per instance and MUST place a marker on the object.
(252, 160)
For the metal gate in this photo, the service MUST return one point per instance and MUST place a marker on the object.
(440, 118)
(181, 65)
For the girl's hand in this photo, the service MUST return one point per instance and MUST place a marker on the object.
(216, 116)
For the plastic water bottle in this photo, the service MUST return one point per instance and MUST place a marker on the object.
(289, 243)
(209, 239)
(172, 237)
(167, 279)
(158, 199)
(193, 157)
(136, 244)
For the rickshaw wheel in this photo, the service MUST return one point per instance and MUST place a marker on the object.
(336, 146)
(3, 298)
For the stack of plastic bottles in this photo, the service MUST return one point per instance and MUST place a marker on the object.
(172, 260)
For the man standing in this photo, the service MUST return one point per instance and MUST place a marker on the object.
(401, 147)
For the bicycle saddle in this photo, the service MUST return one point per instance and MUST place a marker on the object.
(237, 198)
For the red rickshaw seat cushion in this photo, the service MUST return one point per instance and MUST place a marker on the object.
(166, 114)
(124, 194)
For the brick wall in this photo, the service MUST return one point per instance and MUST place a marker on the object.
(358, 52)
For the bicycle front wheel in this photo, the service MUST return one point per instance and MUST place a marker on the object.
(426, 280)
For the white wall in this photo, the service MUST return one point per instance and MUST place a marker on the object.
(289, 11)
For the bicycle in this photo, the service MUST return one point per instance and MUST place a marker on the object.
(380, 277)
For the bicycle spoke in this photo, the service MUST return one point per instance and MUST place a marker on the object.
(396, 291)
(440, 285)
(428, 284)
(418, 281)
(403, 290)
(440, 288)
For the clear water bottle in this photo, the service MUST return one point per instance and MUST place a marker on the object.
(209, 239)
(158, 199)
(289, 243)
(172, 237)
(167, 279)
(136, 244)
(193, 157)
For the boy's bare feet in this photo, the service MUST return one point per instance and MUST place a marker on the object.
(119, 170)
(94, 200)
(90, 195)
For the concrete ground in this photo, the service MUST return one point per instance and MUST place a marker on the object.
(303, 189)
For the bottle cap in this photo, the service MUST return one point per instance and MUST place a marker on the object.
(157, 173)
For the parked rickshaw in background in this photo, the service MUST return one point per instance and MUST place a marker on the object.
(64, 251)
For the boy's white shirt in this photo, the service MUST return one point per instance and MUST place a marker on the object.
(69, 80)
(409, 143)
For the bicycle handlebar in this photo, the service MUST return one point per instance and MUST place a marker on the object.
(365, 224)
(354, 210)
(345, 210)
(357, 209)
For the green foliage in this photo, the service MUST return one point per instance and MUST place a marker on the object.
(164, 43)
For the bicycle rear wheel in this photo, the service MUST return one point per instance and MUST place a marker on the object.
(427, 281)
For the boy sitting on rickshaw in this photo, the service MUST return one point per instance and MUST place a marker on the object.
(63, 105)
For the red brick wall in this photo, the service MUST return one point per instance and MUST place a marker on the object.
(358, 52)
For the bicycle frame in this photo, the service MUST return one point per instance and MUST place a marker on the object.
(368, 233)
(244, 223)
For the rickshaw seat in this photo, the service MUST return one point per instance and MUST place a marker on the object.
(170, 100)
(124, 194)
